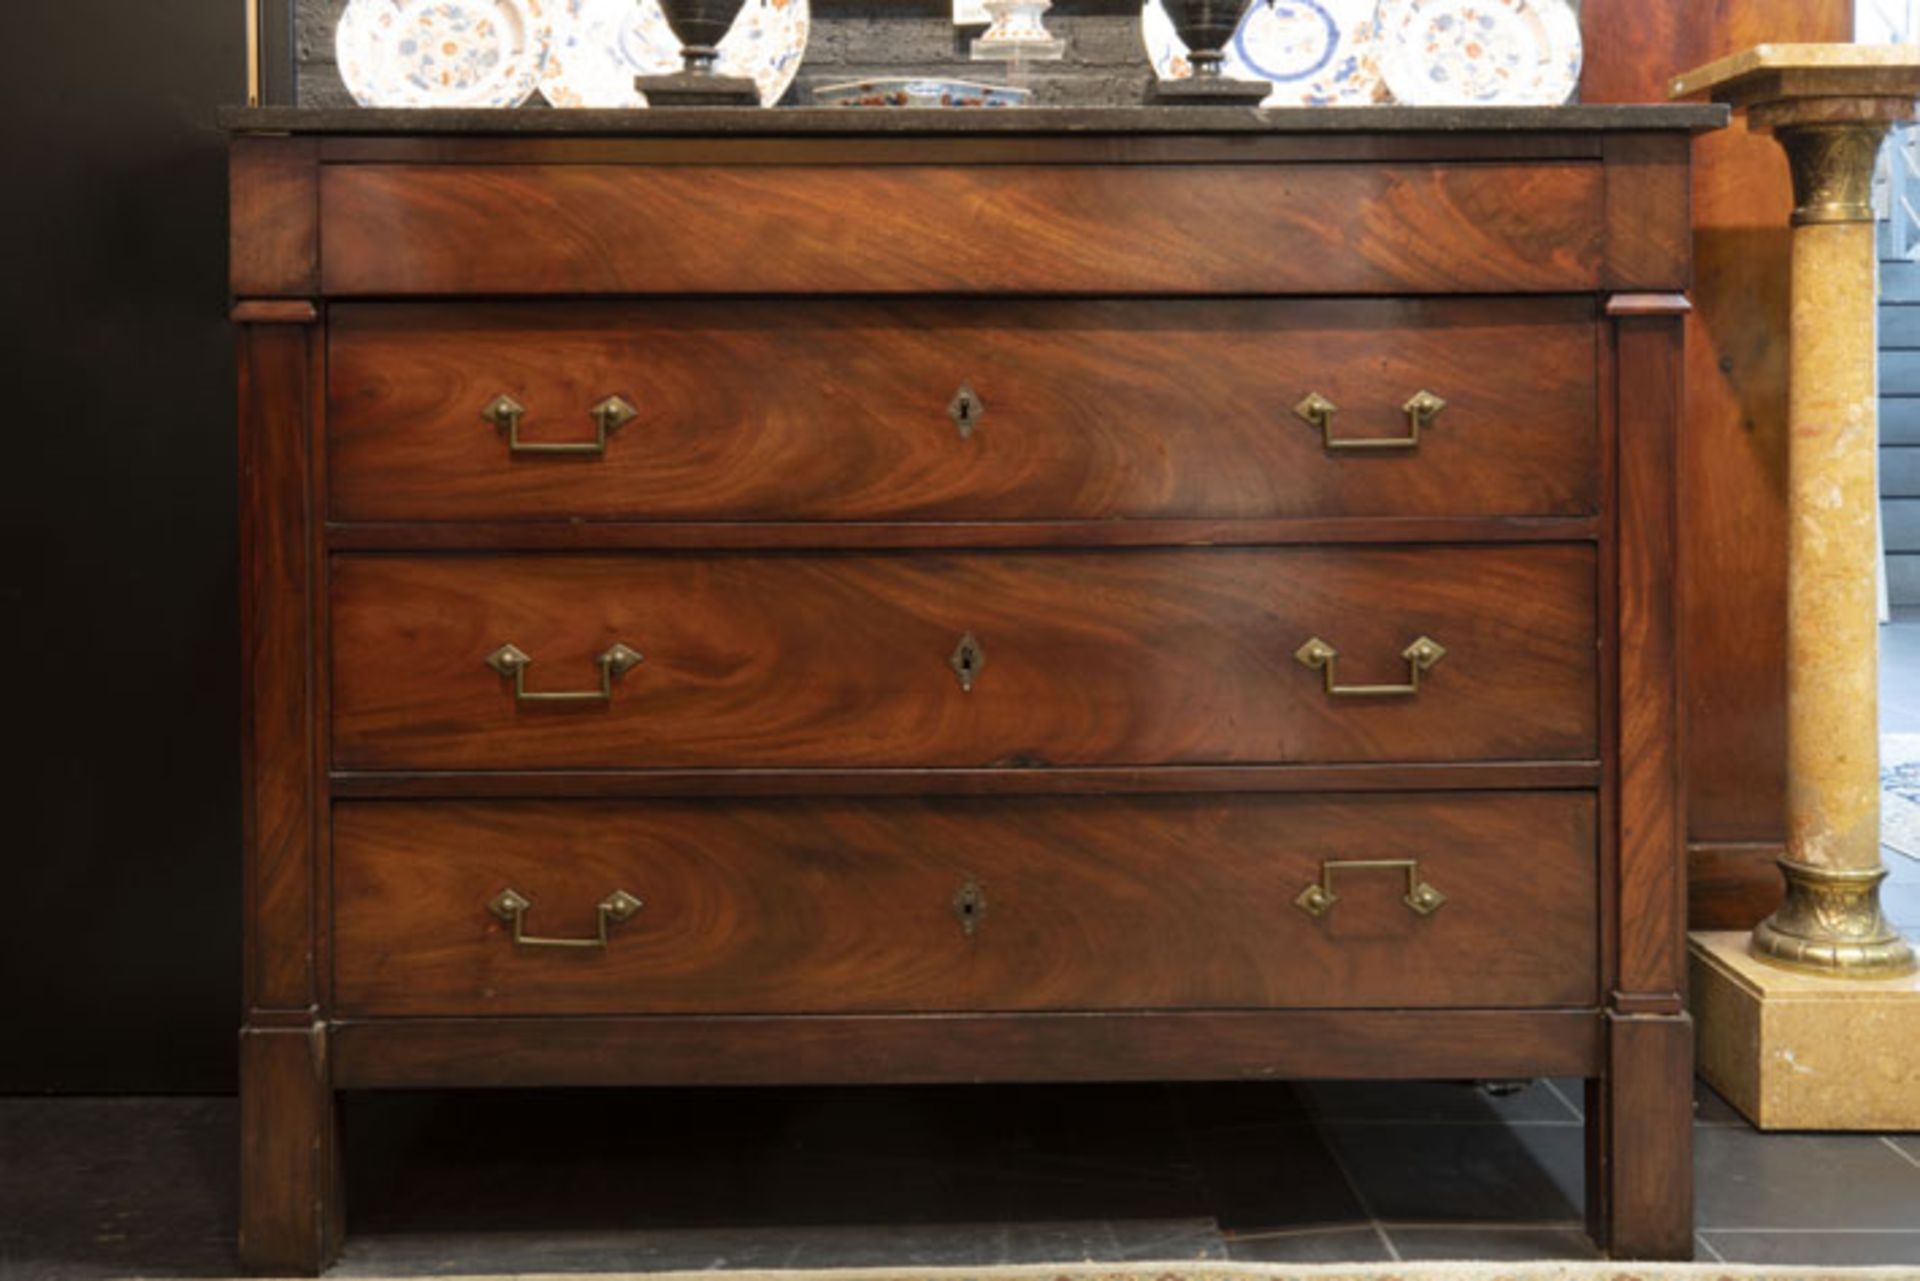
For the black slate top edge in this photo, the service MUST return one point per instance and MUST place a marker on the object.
(897, 122)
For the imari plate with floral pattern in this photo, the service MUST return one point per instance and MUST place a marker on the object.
(1315, 53)
(1480, 52)
(601, 45)
(442, 53)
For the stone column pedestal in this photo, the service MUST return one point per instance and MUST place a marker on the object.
(1761, 1025)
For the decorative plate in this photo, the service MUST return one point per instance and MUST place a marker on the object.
(442, 53)
(1480, 52)
(601, 45)
(912, 91)
(1315, 53)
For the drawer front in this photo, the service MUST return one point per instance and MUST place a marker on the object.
(832, 906)
(847, 410)
(968, 659)
(1179, 229)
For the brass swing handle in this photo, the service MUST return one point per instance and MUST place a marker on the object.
(511, 906)
(512, 662)
(1318, 899)
(1421, 409)
(1421, 657)
(609, 416)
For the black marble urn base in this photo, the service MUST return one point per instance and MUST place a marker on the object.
(698, 89)
(1208, 91)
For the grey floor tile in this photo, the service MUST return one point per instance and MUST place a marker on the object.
(1709, 1108)
(1494, 1244)
(1823, 1249)
(1274, 1179)
(1572, 1091)
(856, 1245)
(1443, 1174)
(1908, 1145)
(515, 1253)
(1448, 1102)
(847, 1245)
(1118, 1242)
(1747, 1180)
(437, 1254)
(684, 1160)
(1334, 1245)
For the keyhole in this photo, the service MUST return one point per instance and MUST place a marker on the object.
(970, 904)
(968, 658)
(966, 409)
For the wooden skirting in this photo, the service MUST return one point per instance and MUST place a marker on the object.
(1732, 885)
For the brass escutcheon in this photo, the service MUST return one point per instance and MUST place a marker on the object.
(970, 905)
(966, 409)
(968, 657)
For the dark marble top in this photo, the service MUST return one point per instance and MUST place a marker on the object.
(884, 121)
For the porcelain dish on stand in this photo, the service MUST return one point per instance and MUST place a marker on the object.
(443, 53)
(601, 45)
(1315, 53)
(920, 91)
(1509, 53)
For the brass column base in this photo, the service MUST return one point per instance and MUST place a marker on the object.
(1831, 924)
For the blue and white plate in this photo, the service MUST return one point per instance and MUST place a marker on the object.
(601, 45)
(442, 53)
(1315, 53)
(1505, 53)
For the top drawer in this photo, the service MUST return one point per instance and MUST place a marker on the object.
(1043, 228)
(852, 409)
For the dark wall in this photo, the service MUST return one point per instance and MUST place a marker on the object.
(119, 818)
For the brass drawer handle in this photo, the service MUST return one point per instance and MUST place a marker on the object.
(511, 906)
(1318, 899)
(609, 416)
(512, 662)
(1421, 657)
(1421, 409)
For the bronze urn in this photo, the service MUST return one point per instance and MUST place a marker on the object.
(701, 26)
(1206, 26)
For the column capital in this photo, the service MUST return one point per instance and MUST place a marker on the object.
(1782, 85)
(1830, 105)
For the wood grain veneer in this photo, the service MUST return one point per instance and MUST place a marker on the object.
(1181, 229)
(839, 410)
(826, 906)
(1137, 658)
(1139, 532)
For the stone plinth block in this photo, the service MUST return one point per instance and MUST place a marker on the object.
(1805, 1052)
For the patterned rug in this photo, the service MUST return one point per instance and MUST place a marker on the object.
(1900, 793)
(1272, 1272)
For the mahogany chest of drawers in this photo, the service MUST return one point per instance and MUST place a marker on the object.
(807, 597)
